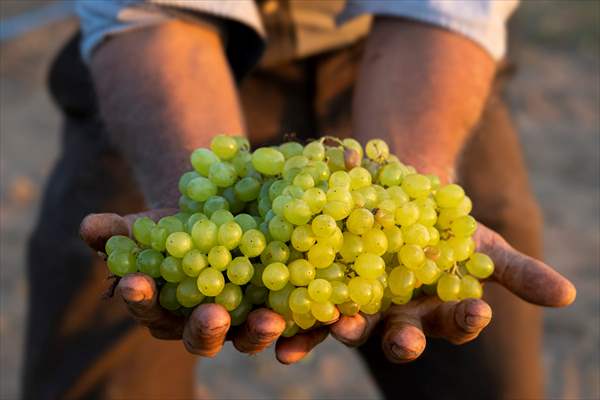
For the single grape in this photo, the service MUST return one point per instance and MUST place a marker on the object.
(240, 270)
(369, 265)
(324, 311)
(434, 236)
(230, 297)
(480, 265)
(375, 241)
(416, 185)
(360, 290)
(314, 151)
(304, 181)
(401, 281)
(297, 212)
(276, 188)
(278, 300)
(148, 262)
(394, 238)
(449, 196)
(275, 276)
(377, 150)
(391, 175)
(463, 247)
(221, 217)
(241, 161)
(335, 159)
(240, 314)
(464, 226)
(411, 256)
(323, 225)
(225, 147)
(470, 288)
(200, 189)
(204, 235)
(299, 301)
(121, 262)
(360, 221)
(210, 282)
(188, 205)
(158, 238)
(213, 204)
(301, 272)
(352, 246)
(268, 161)
(304, 321)
(349, 308)
(407, 215)
(219, 258)
(398, 196)
(291, 149)
(235, 204)
(335, 272)
(119, 242)
(193, 262)
(359, 178)
(339, 292)
(321, 255)
(188, 294)
(256, 294)
(168, 296)
(141, 230)
(416, 234)
(338, 210)
(336, 240)
(291, 328)
(275, 251)
(230, 235)
(319, 290)
(428, 273)
(185, 178)
(444, 255)
(280, 229)
(247, 189)
(448, 287)
(253, 243)
(178, 243)
(302, 238)
(246, 222)
(202, 159)
(171, 271)
(222, 174)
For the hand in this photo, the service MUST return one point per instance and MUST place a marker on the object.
(406, 326)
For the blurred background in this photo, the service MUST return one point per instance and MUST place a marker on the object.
(555, 98)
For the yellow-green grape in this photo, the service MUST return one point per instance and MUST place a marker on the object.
(369, 265)
(202, 159)
(200, 189)
(394, 238)
(148, 262)
(360, 221)
(299, 301)
(428, 273)
(304, 181)
(335, 159)
(335, 272)
(168, 296)
(245, 221)
(275, 276)
(230, 297)
(360, 290)
(214, 203)
(280, 229)
(375, 241)
(240, 270)
(339, 292)
(385, 218)
(463, 247)
(301, 272)
(402, 299)
(370, 196)
(256, 294)
(338, 210)
(158, 238)
(193, 262)
(480, 265)
(276, 188)
(336, 240)
(397, 195)
(427, 216)
(195, 217)
(219, 258)
(253, 243)
(323, 312)
(204, 234)
(240, 314)
(340, 194)
(416, 185)
(358, 199)
(447, 216)
(319, 290)
(141, 230)
(315, 198)
(349, 308)
(323, 225)
(401, 281)
(185, 178)
(314, 151)
(210, 282)
(297, 212)
(377, 290)
(304, 321)
(407, 215)
(321, 171)
(225, 147)
(275, 251)
(449, 196)
(279, 203)
(416, 234)
(188, 294)
(189, 206)
(352, 246)
(391, 175)
(303, 238)
(411, 256)
(340, 179)
(247, 189)
(359, 178)
(171, 271)
(290, 328)
(121, 262)
(222, 174)
(465, 206)
(291, 149)
(241, 161)
(435, 181)
(268, 161)
(229, 235)
(464, 226)
(279, 299)
(321, 255)
(120, 242)
(448, 287)
(470, 288)
(372, 308)
(377, 150)
(434, 236)
(444, 257)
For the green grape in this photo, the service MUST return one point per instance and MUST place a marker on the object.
(340, 194)
(202, 159)
(416, 234)
(394, 238)
(385, 218)
(219, 258)
(187, 293)
(338, 210)
(402, 299)
(304, 321)
(279, 203)
(193, 262)
(370, 196)
(377, 150)
(222, 174)
(319, 290)
(225, 147)
(427, 216)
(401, 281)
(171, 271)
(480, 265)
(188, 205)
(168, 296)
(375, 241)
(121, 262)
(268, 161)
(275, 276)
(295, 255)
(275, 251)
(257, 276)
(360, 290)
(336, 240)
(390, 175)
(243, 143)
(301, 272)
(302, 238)
(290, 328)
(158, 238)
(445, 255)
(335, 159)
(448, 287)
(210, 282)
(297, 212)
(304, 181)
(240, 270)
(240, 314)
(358, 199)
(264, 228)
(352, 246)
(204, 235)
(323, 225)
(253, 243)
(397, 195)
(230, 235)
(360, 221)
(184, 180)
(241, 161)
(213, 204)
(299, 301)
(230, 297)
(349, 308)
(340, 179)
(470, 288)
(247, 189)
(407, 214)
(335, 272)
(291, 149)
(246, 222)
(264, 206)
(321, 255)
(434, 236)
(465, 206)
(411, 256)
(148, 262)
(315, 198)
(428, 273)
(200, 189)
(141, 230)
(256, 294)
(296, 163)
(435, 181)
(324, 311)
(416, 185)
(463, 247)
(464, 226)
(278, 300)
(339, 292)
(235, 204)
(359, 178)
(192, 220)
(179, 243)
(119, 242)
(371, 308)
(276, 188)
(321, 171)
(449, 196)
(447, 216)
(183, 217)
(221, 217)
(280, 229)
(369, 265)
(314, 151)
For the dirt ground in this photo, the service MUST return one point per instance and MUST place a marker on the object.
(555, 98)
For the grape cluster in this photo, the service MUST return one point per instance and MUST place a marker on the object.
(305, 230)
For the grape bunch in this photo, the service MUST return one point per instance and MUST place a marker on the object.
(306, 231)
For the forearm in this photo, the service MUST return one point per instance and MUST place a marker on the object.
(422, 89)
(164, 91)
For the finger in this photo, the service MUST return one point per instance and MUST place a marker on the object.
(528, 278)
(293, 349)
(457, 322)
(354, 330)
(141, 297)
(403, 341)
(262, 327)
(205, 330)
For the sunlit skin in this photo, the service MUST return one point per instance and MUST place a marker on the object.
(157, 125)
